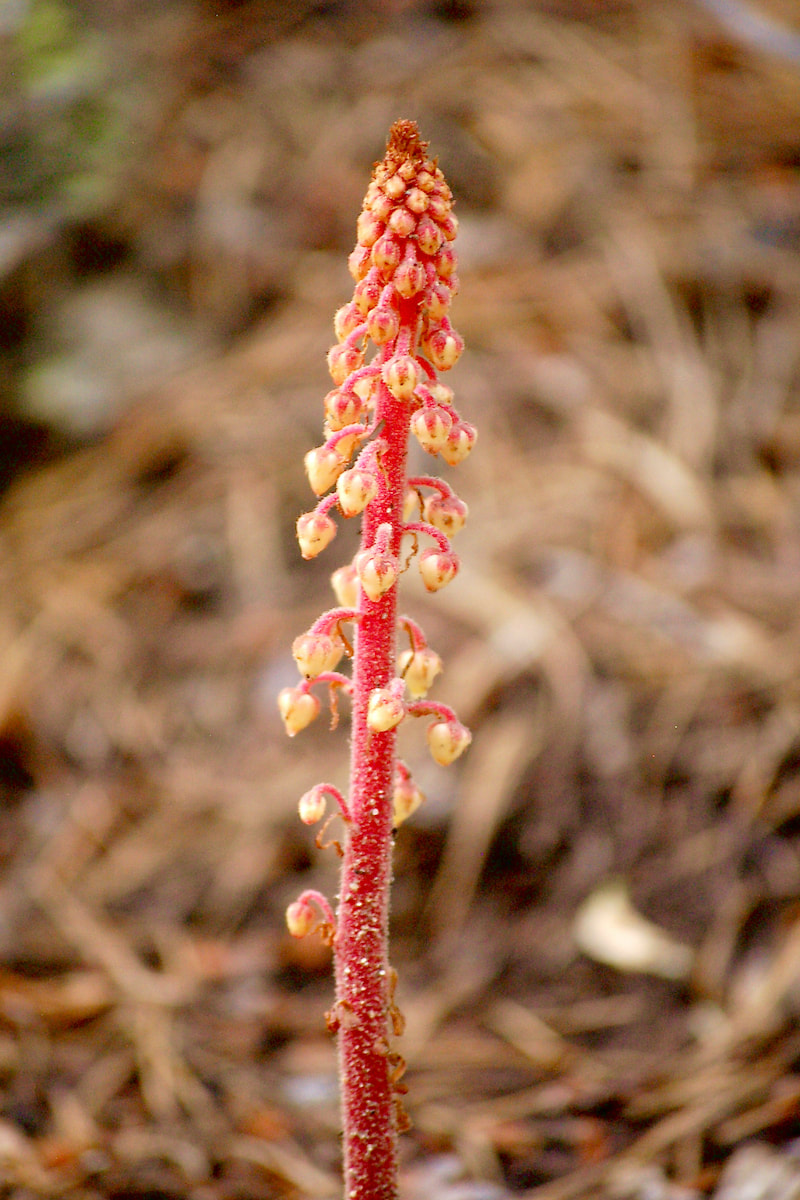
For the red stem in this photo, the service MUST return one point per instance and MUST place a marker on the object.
(361, 947)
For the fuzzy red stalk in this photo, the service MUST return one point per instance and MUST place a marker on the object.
(404, 268)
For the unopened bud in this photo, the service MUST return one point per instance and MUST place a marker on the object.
(410, 278)
(446, 740)
(381, 206)
(386, 254)
(429, 235)
(382, 325)
(342, 408)
(301, 918)
(437, 568)
(459, 443)
(323, 467)
(445, 513)
(449, 226)
(444, 348)
(446, 262)
(405, 801)
(437, 301)
(312, 805)
(401, 375)
(367, 293)
(394, 187)
(315, 531)
(344, 582)
(356, 488)
(346, 319)
(431, 427)
(359, 262)
(368, 228)
(384, 711)
(376, 571)
(297, 708)
(316, 652)
(402, 222)
(343, 360)
(416, 200)
(419, 668)
(439, 206)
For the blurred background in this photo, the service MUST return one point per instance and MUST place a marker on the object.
(595, 915)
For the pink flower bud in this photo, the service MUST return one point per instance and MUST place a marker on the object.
(429, 236)
(381, 206)
(401, 375)
(446, 262)
(384, 710)
(297, 708)
(315, 531)
(394, 187)
(402, 222)
(323, 467)
(312, 805)
(419, 668)
(301, 918)
(425, 181)
(386, 254)
(344, 582)
(368, 228)
(446, 740)
(446, 513)
(431, 427)
(342, 361)
(459, 442)
(437, 301)
(444, 347)
(382, 325)
(416, 200)
(368, 292)
(346, 320)
(356, 488)
(405, 801)
(359, 262)
(316, 652)
(377, 572)
(437, 568)
(342, 408)
(449, 226)
(438, 206)
(409, 278)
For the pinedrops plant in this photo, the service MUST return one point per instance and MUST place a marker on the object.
(393, 338)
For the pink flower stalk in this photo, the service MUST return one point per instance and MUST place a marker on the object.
(404, 268)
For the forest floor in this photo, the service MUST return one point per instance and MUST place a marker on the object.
(596, 914)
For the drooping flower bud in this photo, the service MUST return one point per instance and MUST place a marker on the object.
(297, 708)
(459, 443)
(312, 805)
(445, 513)
(401, 375)
(402, 222)
(419, 668)
(443, 347)
(323, 467)
(316, 652)
(368, 229)
(429, 235)
(406, 800)
(431, 427)
(301, 918)
(342, 408)
(344, 582)
(377, 571)
(437, 568)
(384, 711)
(383, 325)
(346, 320)
(315, 531)
(343, 360)
(446, 740)
(355, 489)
